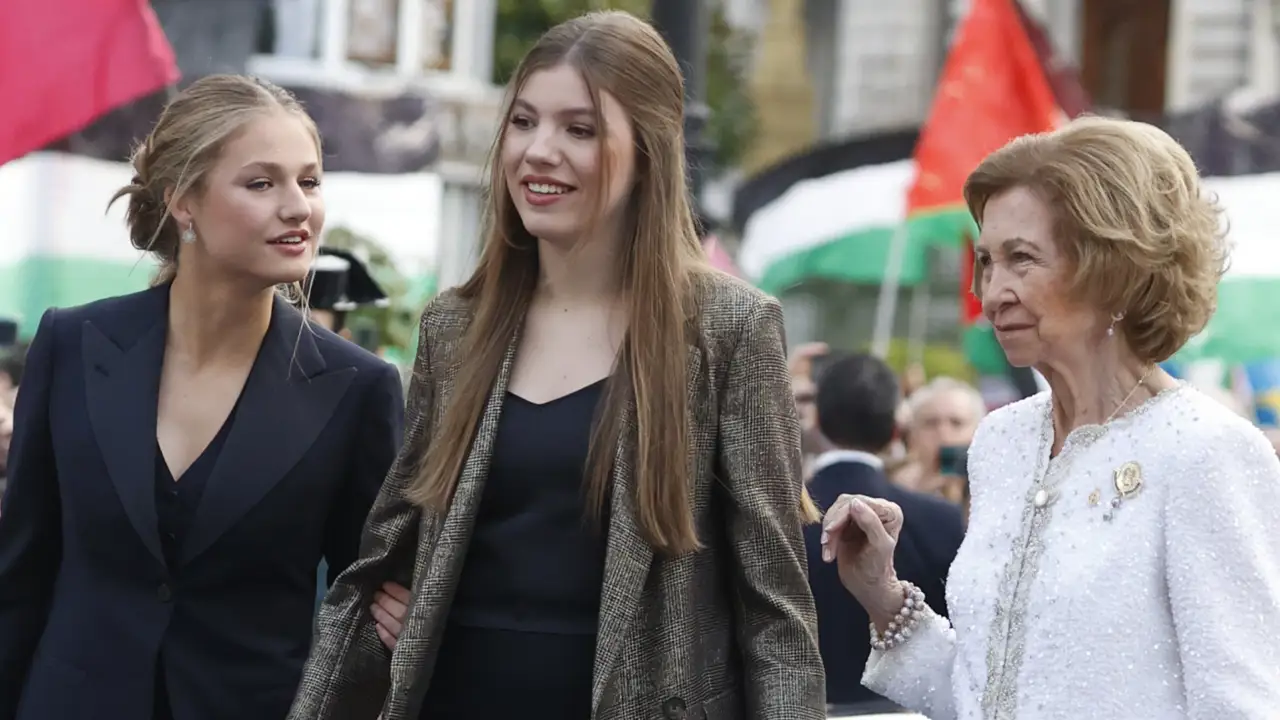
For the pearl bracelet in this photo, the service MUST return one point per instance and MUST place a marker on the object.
(909, 616)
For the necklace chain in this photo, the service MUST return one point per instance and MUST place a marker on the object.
(1126, 399)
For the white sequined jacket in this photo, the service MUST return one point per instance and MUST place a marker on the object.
(1071, 599)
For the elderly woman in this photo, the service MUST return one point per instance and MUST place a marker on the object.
(1122, 559)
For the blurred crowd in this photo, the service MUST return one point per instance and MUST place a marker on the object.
(934, 422)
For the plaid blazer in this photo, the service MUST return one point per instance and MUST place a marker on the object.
(725, 633)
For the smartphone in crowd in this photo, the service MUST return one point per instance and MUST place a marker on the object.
(953, 461)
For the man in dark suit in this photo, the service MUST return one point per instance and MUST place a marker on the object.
(857, 398)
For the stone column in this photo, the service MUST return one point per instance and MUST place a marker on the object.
(781, 88)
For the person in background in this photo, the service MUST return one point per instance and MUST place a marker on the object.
(857, 403)
(1121, 559)
(803, 364)
(913, 378)
(13, 361)
(944, 414)
(6, 437)
(183, 457)
(896, 457)
(8, 335)
(599, 508)
(340, 283)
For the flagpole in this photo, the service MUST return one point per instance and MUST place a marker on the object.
(918, 322)
(887, 305)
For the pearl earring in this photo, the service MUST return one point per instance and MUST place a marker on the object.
(1111, 331)
(189, 235)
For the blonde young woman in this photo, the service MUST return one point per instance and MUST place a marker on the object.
(1121, 559)
(598, 507)
(183, 457)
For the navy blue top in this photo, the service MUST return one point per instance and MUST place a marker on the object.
(528, 599)
(176, 504)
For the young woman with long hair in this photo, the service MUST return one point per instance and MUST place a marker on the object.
(185, 456)
(598, 507)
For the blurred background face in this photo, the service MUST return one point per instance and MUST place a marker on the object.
(1025, 280)
(555, 163)
(805, 391)
(259, 213)
(948, 418)
(804, 387)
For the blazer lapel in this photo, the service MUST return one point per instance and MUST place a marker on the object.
(434, 588)
(628, 556)
(286, 402)
(122, 388)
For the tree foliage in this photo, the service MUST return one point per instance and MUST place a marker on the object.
(732, 123)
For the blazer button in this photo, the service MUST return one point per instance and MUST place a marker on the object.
(674, 709)
(164, 594)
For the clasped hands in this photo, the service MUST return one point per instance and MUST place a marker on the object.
(859, 534)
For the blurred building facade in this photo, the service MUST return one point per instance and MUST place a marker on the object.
(442, 49)
(436, 51)
(872, 66)
(827, 72)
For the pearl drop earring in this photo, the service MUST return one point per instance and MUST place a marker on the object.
(1111, 331)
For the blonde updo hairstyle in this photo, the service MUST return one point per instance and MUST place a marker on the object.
(185, 144)
(1142, 236)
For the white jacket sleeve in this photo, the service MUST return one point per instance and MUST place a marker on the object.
(1222, 553)
(917, 673)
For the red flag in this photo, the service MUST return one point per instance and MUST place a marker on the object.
(992, 90)
(1063, 78)
(64, 63)
(970, 305)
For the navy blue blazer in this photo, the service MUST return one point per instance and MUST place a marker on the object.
(932, 531)
(87, 601)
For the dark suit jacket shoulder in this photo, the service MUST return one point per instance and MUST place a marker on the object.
(725, 632)
(89, 605)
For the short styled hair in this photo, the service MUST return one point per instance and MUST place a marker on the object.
(1142, 235)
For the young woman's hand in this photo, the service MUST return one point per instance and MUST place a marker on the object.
(390, 606)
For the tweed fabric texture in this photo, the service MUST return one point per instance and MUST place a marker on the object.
(726, 632)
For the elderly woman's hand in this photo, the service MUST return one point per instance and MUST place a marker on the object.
(859, 534)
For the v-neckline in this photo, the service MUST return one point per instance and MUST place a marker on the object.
(561, 398)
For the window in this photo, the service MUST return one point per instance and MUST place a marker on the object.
(1125, 50)
(408, 36)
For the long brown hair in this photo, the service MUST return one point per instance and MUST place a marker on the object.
(616, 53)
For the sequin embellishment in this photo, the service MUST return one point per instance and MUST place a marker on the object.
(1006, 642)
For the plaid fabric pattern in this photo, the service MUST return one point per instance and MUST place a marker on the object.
(726, 632)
